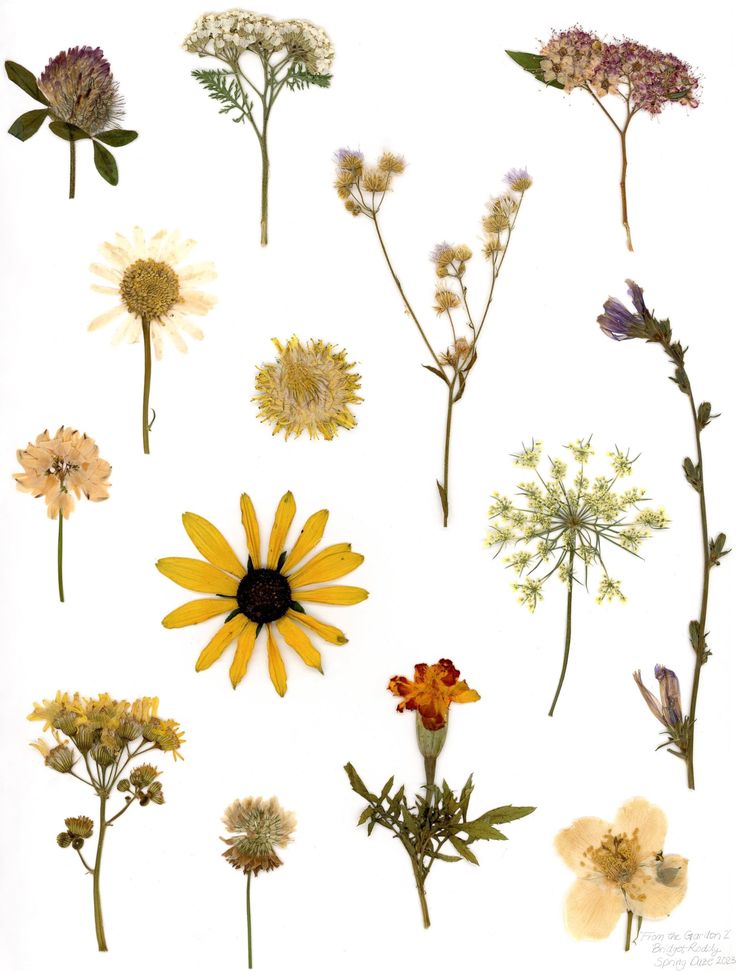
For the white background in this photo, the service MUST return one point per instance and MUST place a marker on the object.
(432, 82)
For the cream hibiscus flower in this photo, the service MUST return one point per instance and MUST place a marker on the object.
(621, 867)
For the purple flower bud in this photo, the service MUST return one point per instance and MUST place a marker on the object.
(669, 690)
(618, 322)
(654, 705)
(637, 297)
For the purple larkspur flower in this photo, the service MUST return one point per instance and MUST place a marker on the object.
(669, 690)
(81, 91)
(618, 322)
(637, 297)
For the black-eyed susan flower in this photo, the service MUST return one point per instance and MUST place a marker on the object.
(308, 388)
(267, 592)
(621, 868)
(62, 468)
(108, 735)
(156, 295)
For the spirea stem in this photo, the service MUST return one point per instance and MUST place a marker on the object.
(72, 167)
(99, 928)
(60, 556)
(146, 326)
(248, 918)
(568, 636)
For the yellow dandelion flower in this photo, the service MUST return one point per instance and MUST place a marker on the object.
(269, 592)
(156, 295)
(309, 387)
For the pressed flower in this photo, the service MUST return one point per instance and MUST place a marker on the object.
(434, 688)
(157, 296)
(81, 100)
(108, 734)
(621, 867)
(62, 468)
(309, 387)
(268, 592)
(260, 827)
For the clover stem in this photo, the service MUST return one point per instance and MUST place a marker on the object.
(568, 634)
(60, 556)
(72, 167)
(146, 325)
(629, 922)
(99, 928)
(247, 914)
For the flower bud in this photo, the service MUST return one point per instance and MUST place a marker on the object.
(102, 756)
(430, 742)
(129, 729)
(79, 826)
(85, 738)
(669, 692)
(77, 843)
(64, 840)
(123, 785)
(143, 775)
(66, 723)
(60, 759)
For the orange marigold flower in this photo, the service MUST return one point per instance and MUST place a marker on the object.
(434, 688)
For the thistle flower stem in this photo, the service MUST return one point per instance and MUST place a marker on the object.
(146, 325)
(568, 636)
(629, 922)
(99, 928)
(72, 167)
(701, 655)
(60, 557)
(247, 913)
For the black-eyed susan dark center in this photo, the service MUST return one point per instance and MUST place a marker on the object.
(264, 595)
(149, 288)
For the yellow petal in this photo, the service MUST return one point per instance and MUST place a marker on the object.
(310, 535)
(281, 522)
(252, 533)
(212, 544)
(334, 595)
(658, 887)
(225, 636)
(246, 643)
(296, 638)
(276, 665)
(572, 842)
(196, 611)
(592, 909)
(325, 566)
(329, 633)
(647, 821)
(196, 575)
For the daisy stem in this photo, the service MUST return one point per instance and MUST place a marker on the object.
(72, 167)
(60, 557)
(247, 912)
(629, 922)
(568, 635)
(146, 325)
(99, 928)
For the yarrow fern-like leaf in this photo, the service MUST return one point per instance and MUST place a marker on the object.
(299, 79)
(223, 86)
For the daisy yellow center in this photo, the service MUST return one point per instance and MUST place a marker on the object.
(149, 289)
(617, 858)
(264, 595)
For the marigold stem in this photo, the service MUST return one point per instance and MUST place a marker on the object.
(419, 878)
(247, 913)
(146, 325)
(99, 928)
(568, 635)
(60, 556)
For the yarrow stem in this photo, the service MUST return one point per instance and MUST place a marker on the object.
(568, 633)
(60, 556)
(146, 326)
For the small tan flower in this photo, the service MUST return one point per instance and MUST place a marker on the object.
(375, 180)
(62, 468)
(260, 826)
(81, 826)
(394, 164)
(620, 867)
(309, 387)
(150, 284)
(445, 300)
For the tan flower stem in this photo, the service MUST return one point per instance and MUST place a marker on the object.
(146, 326)
(629, 922)
(60, 557)
(568, 634)
(248, 918)
(99, 927)
(445, 493)
(72, 167)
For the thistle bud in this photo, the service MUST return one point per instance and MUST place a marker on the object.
(63, 840)
(79, 826)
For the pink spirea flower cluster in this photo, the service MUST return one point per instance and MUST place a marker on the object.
(650, 78)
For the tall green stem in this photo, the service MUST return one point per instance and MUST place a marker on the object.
(60, 556)
(445, 494)
(264, 187)
(99, 928)
(247, 913)
(72, 167)
(700, 654)
(568, 635)
(419, 878)
(624, 203)
(146, 325)
(629, 922)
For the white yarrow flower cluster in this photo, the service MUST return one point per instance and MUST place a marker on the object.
(233, 32)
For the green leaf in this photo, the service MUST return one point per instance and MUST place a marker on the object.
(365, 815)
(445, 857)
(481, 829)
(28, 124)
(463, 850)
(105, 164)
(117, 137)
(718, 549)
(435, 370)
(70, 133)
(25, 80)
(386, 789)
(356, 783)
(223, 86)
(466, 793)
(507, 814)
(694, 632)
(693, 474)
(299, 79)
(530, 63)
